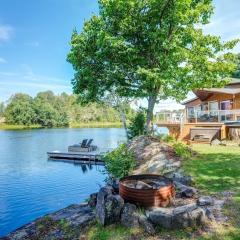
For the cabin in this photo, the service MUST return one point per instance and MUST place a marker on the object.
(213, 113)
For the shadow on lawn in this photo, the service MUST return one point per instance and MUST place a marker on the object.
(216, 172)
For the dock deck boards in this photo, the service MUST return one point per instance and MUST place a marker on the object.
(93, 156)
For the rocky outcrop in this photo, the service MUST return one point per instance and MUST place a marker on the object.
(109, 206)
(153, 156)
(129, 216)
(92, 202)
(180, 217)
(68, 223)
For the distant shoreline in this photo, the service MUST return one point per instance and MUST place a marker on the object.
(4, 126)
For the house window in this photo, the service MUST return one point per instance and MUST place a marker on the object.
(205, 107)
(225, 114)
(213, 106)
(227, 105)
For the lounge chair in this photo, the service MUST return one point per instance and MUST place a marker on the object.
(84, 146)
(90, 147)
(84, 143)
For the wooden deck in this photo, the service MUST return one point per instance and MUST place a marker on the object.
(85, 157)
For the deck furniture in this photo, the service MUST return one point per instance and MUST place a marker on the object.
(85, 146)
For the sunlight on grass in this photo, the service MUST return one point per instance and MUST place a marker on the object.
(215, 170)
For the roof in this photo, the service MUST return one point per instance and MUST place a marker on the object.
(204, 93)
(190, 100)
(235, 81)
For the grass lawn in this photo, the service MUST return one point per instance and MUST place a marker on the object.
(215, 169)
(4, 126)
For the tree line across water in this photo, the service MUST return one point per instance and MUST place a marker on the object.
(50, 110)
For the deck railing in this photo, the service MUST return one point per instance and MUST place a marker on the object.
(214, 116)
(169, 117)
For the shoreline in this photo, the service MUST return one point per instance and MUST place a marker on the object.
(4, 126)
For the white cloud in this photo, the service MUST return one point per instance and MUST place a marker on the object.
(5, 32)
(2, 60)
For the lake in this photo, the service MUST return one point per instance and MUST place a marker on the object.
(31, 186)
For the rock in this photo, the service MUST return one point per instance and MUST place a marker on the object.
(215, 142)
(142, 185)
(205, 201)
(153, 156)
(185, 191)
(115, 185)
(146, 225)
(183, 179)
(109, 206)
(159, 184)
(129, 216)
(92, 202)
(209, 214)
(76, 219)
(161, 216)
(180, 217)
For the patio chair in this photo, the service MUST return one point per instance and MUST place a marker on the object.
(84, 143)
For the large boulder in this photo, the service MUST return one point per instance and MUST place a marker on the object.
(109, 206)
(182, 178)
(146, 225)
(153, 156)
(176, 218)
(129, 216)
(67, 223)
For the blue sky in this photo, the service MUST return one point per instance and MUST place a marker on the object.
(34, 37)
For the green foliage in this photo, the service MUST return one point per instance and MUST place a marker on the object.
(119, 162)
(113, 232)
(1, 109)
(150, 49)
(20, 110)
(137, 125)
(49, 110)
(182, 150)
(236, 73)
(166, 138)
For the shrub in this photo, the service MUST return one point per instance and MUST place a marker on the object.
(120, 162)
(166, 138)
(182, 150)
(137, 125)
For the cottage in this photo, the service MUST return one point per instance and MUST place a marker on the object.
(213, 113)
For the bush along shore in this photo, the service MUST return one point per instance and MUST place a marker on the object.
(107, 216)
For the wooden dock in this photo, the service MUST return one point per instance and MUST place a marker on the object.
(94, 157)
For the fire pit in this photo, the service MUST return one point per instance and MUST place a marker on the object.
(147, 190)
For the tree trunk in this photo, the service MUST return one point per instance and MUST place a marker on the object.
(123, 119)
(151, 103)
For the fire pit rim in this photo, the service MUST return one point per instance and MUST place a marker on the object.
(133, 177)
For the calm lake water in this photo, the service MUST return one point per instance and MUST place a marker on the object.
(31, 186)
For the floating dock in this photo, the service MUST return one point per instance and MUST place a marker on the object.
(91, 157)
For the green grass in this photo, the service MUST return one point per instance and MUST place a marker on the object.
(113, 232)
(217, 169)
(96, 125)
(4, 126)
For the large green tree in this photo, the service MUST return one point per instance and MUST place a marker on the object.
(20, 110)
(150, 49)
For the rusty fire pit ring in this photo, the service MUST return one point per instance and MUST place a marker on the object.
(160, 197)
